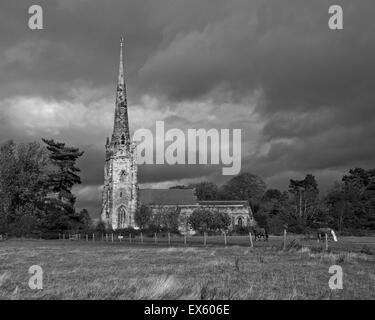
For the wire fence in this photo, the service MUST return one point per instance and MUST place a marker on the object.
(167, 239)
(284, 242)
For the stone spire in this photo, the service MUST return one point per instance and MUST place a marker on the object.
(121, 134)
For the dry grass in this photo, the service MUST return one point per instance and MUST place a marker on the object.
(81, 270)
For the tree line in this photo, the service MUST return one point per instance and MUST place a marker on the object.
(36, 182)
(348, 206)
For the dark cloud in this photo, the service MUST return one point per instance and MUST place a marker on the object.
(302, 94)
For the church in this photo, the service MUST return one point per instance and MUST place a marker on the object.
(121, 194)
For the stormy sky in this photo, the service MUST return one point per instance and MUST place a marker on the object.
(302, 94)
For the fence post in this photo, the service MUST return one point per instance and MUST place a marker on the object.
(130, 237)
(169, 239)
(155, 238)
(326, 242)
(112, 236)
(284, 239)
(87, 237)
(225, 239)
(63, 236)
(251, 240)
(93, 237)
(185, 239)
(204, 238)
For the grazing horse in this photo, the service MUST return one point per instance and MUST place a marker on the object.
(259, 233)
(322, 232)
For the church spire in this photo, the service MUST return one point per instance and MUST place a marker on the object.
(121, 134)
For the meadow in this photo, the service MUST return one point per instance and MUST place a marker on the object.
(123, 270)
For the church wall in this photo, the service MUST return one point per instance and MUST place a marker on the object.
(235, 212)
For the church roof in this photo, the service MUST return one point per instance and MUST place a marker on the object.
(224, 203)
(167, 197)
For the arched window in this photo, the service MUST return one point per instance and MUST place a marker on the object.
(240, 221)
(121, 218)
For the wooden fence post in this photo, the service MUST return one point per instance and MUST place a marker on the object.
(204, 238)
(326, 242)
(141, 237)
(130, 237)
(185, 239)
(225, 239)
(102, 236)
(155, 238)
(169, 239)
(284, 239)
(112, 236)
(93, 237)
(87, 237)
(251, 240)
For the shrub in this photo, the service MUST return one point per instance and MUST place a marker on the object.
(204, 220)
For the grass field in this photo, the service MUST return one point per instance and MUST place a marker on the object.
(106, 270)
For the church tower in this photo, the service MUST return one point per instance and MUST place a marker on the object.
(120, 192)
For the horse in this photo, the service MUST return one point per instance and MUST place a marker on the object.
(259, 233)
(322, 232)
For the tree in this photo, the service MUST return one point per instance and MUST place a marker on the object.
(100, 227)
(246, 186)
(219, 221)
(165, 218)
(65, 174)
(203, 219)
(307, 205)
(170, 220)
(337, 205)
(22, 178)
(200, 219)
(82, 220)
(206, 191)
(359, 191)
(143, 216)
(181, 187)
(273, 211)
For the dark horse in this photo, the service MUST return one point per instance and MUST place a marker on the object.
(259, 233)
(322, 232)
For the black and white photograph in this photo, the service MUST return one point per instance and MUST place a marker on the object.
(186, 154)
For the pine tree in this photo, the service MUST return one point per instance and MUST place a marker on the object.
(60, 214)
(65, 174)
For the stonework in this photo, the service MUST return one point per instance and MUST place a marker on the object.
(240, 214)
(121, 196)
(120, 191)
